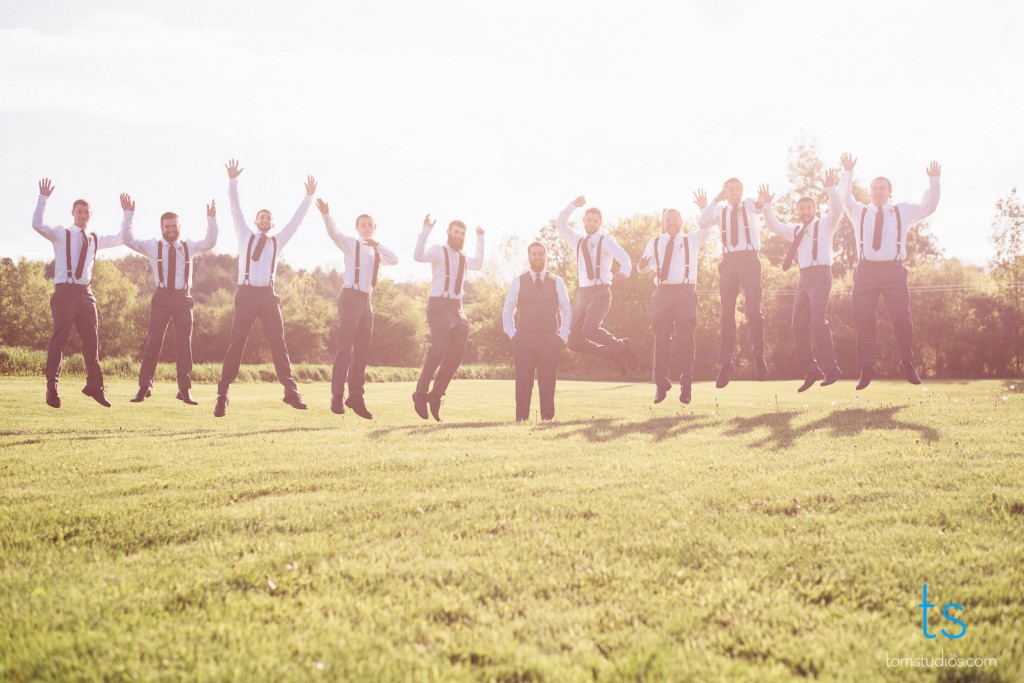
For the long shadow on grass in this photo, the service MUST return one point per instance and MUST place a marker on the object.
(782, 433)
(596, 430)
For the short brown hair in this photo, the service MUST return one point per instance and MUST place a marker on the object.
(362, 216)
(536, 244)
(887, 181)
(807, 199)
(263, 211)
(80, 202)
(593, 209)
(170, 215)
(456, 224)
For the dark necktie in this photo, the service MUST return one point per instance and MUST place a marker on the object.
(876, 241)
(537, 280)
(734, 226)
(587, 260)
(259, 247)
(81, 255)
(669, 248)
(791, 254)
(171, 266)
(462, 271)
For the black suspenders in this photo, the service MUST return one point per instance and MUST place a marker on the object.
(248, 257)
(686, 251)
(899, 230)
(71, 276)
(814, 245)
(686, 247)
(746, 229)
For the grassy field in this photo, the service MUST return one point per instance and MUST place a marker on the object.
(756, 535)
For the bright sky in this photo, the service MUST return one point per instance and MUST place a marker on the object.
(498, 115)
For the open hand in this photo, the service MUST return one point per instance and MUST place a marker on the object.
(45, 187)
(700, 198)
(933, 170)
(830, 178)
(233, 169)
(126, 202)
(323, 206)
(310, 185)
(848, 161)
(211, 208)
(427, 223)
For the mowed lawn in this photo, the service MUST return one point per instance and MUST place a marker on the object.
(755, 535)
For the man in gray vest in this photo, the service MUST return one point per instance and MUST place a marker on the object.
(530, 318)
(171, 261)
(810, 248)
(255, 296)
(73, 303)
(881, 229)
(449, 328)
(594, 256)
(673, 258)
(740, 268)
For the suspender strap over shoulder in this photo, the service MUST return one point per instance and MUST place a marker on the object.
(67, 254)
(863, 213)
(273, 260)
(447, 271)
(899, 231)
(248, 258)
(657, 260)
(686, 248)
(814, 245)
(355, 284)
(160, 263)
(188, 263)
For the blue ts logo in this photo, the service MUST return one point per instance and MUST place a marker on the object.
(925, 606)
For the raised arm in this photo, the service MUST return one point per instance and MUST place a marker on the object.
(850, 204)
(570, 236)
(508, 311)
(421, 254)
(930, 200)
(332, 229)
(708, 212)
(476, 262)
(290, 229)
(210, 240)
(835, 202)
(45, 190)
(127, 236)
(765, 197)
(565, 308)
(241, 226)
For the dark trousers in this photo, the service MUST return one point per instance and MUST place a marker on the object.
(356, 317)
(585, 333)
(741, 270)
(169, 305)
(674, 318)
(886, 279)
(74, 306)
(809, 319)
(536, 354)
(449, 332)
(252, 303)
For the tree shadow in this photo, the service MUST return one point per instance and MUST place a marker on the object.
(841, 424)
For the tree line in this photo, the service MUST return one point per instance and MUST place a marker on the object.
(967, 321)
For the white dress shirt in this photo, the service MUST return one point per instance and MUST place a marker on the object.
(891, 249)
(58, 236)
(712, 216)
(826, 229)
(149, 249)
(348, 246)
(565, 308)
(610, 251)
(677, 268)
(259, 271)
(434, 255)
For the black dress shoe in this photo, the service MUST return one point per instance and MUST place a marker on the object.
(142, 395)
(358, 407)
(294, 400)
(760, 368)
(810, 379)
(723, 376)
(52, 397)
(866, 375)
(660, 393)
(337, 405)
(629, 353)
(221, 409)
(419, 402)
(910, 373)
(832, 376)
(686, 390)
(185, 395)
(97, 395)
(434, 402)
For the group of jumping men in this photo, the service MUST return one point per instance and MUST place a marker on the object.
(537, 315)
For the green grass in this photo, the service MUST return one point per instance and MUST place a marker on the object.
(746, 537)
